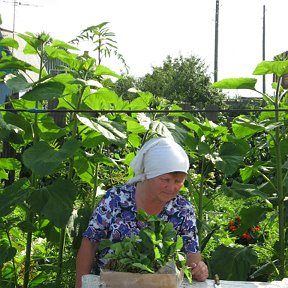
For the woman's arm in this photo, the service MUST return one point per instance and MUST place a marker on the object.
(85, 258)
(198, 267)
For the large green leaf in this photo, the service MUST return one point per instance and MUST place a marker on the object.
(244, 127)
(45, 91)
(92, 139)
(39, 280)
(207, 128)
(9, 42)
(10, 62)
(48, 130)
(42, 159)
(266, 269)
(102, 70)
(14, 195)
(247, 172)
(112, 130)
(235, 83)
(134, 140)
(85, 169)
(55, 202)
(161, 129)
(18, 83)
(52, 232)
(63, 45)
(232, 154)
(133, 126)
(203, 148)
(237, 265)
(68, 58)
(10, 132)
(10, 163)
(20, 125)
(3, 175)
(250, 171)
(33, 42)
(142, 102)
(144, 120)
(103, 99)
(238, 190)
(85, 166)
(250, 217)
(178, 132)
(7, 253)
(279, 68)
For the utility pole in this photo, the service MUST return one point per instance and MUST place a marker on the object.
(14, 17)
(263, 49)
(216, 42)
(17, 3)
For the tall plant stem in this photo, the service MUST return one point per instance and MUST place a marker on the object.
(30, 213)
(63, 234)
(200, 203)
(281, 215)
(60, 256)
(69, 177)
(280, 195)
(30, 218)
(13, 260)
(93, 203)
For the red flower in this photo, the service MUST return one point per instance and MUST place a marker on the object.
(250, 236)
(246, 236)
(232, 227)
(257, 228)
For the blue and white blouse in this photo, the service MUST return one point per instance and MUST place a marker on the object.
(115, 218)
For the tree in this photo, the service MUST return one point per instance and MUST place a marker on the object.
(125, 86)
(182, 79)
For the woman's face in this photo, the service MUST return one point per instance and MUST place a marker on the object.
(166, 186)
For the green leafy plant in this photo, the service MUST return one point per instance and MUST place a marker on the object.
(272, 123)
(154, 247)
(56, 173)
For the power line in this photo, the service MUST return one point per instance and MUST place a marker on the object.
(17, 3)
(20, 3)
(216, 41)
(144, 111)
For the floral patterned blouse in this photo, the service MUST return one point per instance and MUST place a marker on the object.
(115, 218)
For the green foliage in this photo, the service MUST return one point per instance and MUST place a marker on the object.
(59, 172)
(237, 264)
(274, 126)
(236, 83)
(154, 247)
(184, 80)
(103, 39)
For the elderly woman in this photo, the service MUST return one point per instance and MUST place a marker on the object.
(160, 168)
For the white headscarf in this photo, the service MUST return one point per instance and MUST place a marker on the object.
(158, 156)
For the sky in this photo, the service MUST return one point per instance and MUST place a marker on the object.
(148, 31)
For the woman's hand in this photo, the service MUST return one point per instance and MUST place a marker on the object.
(198, 267)
(199, 271)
